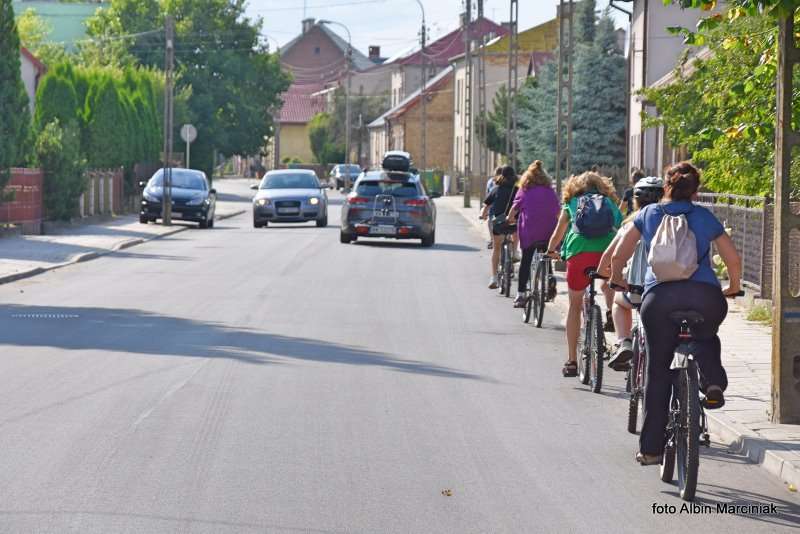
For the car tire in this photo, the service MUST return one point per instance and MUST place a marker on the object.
(257, 224)
(211, 222)
(345, 237)
(322, 223)
(143, 219)
(203, 224)
(429, 240)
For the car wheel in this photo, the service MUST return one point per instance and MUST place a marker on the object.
(211, 222)
(429, 240)
(143, 219)
(257, 224)
(322, 223)
(203, 223)
(345, 237)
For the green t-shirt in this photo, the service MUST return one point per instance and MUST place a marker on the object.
(575, 243)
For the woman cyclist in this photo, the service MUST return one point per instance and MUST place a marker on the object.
(497, 203)
(646, 191)
(582, 252)
(701, 292)
(536, 207)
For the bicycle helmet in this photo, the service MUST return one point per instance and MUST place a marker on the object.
(648, 190)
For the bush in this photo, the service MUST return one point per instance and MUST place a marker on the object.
(55, 99)
(760, 313)
(58, 154)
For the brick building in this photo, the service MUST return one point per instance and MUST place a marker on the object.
(400, 128)
(317, 59)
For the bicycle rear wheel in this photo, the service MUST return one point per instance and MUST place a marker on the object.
(527, 311)
(598, 349)
(540, 290)
(508, 267)
(688, 435)
(501, 272)
(633, 385)
(585, 351)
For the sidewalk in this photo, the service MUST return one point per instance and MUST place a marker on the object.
(28, 255)
(743, 424)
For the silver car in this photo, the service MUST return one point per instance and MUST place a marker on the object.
(289, 196)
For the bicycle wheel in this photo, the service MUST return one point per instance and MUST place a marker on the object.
(688, 436)
(508, 267)
(501, 272)
(632, 385)
(668, 459)
(527, 311)
(585, 350)
(540, 290)
(598, 349)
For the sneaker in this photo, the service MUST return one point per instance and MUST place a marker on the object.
(609, 326)
(623, 354)
(552, 291)
(493, 282)
(521, 300)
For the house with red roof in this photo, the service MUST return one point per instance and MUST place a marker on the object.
(31, 70)
(317, 60)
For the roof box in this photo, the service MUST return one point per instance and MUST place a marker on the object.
(397, 160)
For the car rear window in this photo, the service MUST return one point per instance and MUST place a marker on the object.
(384, 187)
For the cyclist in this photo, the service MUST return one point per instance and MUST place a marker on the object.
(496, 205)
(489, 186)
(700, 292)
(536, 206)
(647, 191)
(627, 195)
(580, 250)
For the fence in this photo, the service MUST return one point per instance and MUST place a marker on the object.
(103, 195)
(25, 207)
(750, 223)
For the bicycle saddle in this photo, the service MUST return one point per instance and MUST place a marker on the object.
(690, 316)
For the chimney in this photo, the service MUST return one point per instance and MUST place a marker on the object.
(308, 24)
(374, 52)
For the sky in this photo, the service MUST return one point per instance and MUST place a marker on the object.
(391, 24)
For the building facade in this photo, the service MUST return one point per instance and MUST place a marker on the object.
(31, 70)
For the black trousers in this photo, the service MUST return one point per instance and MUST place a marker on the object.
(525, 264)
(662, 340)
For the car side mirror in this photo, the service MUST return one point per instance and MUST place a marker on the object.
(435, 194)
(254, 187)
(212, 191)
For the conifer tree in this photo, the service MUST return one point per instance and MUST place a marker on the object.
(15, 116)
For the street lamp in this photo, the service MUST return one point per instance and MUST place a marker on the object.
(423, 57)
(346, 102)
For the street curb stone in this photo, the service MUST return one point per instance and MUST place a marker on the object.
(778, 460)
(87, 256)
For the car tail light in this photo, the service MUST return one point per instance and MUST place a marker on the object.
(416, 202)
(362, 229)
(357, 200)
(404, 230)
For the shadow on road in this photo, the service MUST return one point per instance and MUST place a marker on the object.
(414, 244)
(140, 332)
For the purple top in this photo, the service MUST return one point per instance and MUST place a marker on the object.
(538, 208)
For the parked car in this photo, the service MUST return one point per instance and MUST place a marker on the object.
(289, 195)
(192, 198)
(391, 205)
(339, 173)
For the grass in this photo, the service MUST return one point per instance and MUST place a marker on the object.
(760, 313)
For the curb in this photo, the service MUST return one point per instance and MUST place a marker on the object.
(88, 256)
(771, 456)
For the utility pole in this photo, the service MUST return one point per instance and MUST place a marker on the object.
(169, 65)
(483, 170)
(347, 124)
(786, 306)
(513, 83)
(467, 104)
(424, 133)
(566, 42)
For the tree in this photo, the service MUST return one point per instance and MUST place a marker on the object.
(586, 20)
(34, 33)
(55, 99)
(235, 82)
(322, 136)
(106, 124)
(14, 115)
(58, 154)
(537, 118)
(496, 125)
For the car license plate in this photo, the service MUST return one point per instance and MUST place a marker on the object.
(383, 229)
(289, 211)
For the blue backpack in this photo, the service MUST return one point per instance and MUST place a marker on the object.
(593, 216)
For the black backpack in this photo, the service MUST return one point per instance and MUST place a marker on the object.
(593, 216)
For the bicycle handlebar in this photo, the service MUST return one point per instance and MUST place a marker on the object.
(633, 289)
(739, 293)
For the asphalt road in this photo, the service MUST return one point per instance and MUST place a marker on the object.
(275, 380)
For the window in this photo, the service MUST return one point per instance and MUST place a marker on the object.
(316, 51)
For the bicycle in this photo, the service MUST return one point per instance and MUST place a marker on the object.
(687, 422)
(635, 378)
(506, 272)
(541, 287)
(593, 351)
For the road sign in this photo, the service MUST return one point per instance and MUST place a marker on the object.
(188, 133)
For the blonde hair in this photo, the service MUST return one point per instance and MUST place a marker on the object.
(586, 183)
(534, 175)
